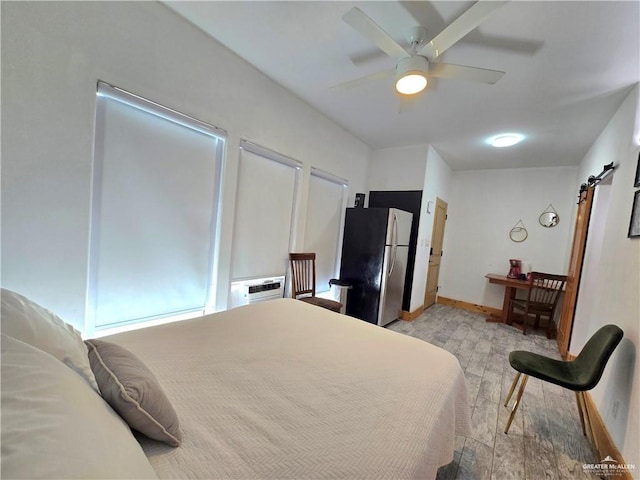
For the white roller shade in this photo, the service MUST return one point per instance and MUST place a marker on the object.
(325, 217)
(265, 206)
(156, 186)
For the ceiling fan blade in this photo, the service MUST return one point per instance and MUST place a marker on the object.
(462, 25)
(370, 29)
(462, 72)
(507, 44)
(364, 80)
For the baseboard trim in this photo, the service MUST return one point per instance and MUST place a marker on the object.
(600, 437)
(471, 307)
(411, 316)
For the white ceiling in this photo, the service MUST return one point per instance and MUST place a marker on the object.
(568, 66)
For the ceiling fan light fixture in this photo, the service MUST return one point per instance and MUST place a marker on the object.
(411, 77)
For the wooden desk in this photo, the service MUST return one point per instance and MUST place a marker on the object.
(510, 287)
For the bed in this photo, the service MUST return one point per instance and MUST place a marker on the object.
(275, 390)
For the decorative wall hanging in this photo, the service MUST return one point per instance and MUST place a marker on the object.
(518, 233)
(549, 218)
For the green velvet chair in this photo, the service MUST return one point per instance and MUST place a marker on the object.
(581, 374)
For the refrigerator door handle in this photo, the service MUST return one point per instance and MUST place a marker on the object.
(394, 235)
(393, 262)
(394, 243)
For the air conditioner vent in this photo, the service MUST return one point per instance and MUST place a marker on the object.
(264, 288)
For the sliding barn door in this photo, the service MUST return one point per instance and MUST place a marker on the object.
(575, 269)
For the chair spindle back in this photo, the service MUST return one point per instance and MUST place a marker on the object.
(303, 274)
(546, 287)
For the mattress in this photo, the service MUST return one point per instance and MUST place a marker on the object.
(287, 390)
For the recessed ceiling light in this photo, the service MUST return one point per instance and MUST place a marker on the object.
(505, 140)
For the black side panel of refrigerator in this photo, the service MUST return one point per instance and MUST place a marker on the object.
(409, 201)
(362, 260)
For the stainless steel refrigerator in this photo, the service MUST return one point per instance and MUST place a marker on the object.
(375, 248)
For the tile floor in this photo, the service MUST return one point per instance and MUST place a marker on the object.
(545, 440)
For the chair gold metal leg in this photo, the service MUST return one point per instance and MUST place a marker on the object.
(517, 403)
(513, 387)
(581, 409)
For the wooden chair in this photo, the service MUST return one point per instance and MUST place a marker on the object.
(303, 281)
(542, 299)
(580, 375)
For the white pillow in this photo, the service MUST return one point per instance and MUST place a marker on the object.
(29, 322)
(55, 426)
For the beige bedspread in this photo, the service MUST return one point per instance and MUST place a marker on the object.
(286, 390)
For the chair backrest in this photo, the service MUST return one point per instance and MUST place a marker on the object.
(590, 362)
(303, 274)
(546, 288)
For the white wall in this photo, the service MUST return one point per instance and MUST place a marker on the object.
(401, 168)
(437, 182)
(417, 167)
(610, 283)
(484, 206)
(52, 55)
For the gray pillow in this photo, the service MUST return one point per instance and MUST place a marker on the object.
(133, 391)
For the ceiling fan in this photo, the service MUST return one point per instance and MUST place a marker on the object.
(416, 64)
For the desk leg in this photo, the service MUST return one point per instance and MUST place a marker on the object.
(509, 293)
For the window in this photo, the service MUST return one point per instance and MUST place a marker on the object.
(156, 187)
(265, 208)
(325, 218)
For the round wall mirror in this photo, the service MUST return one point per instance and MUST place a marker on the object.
(549, 219)
(518, 234)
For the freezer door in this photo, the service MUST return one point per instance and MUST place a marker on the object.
(393, 284)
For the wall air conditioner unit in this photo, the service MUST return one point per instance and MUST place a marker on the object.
(264, 291)
(256, 290)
